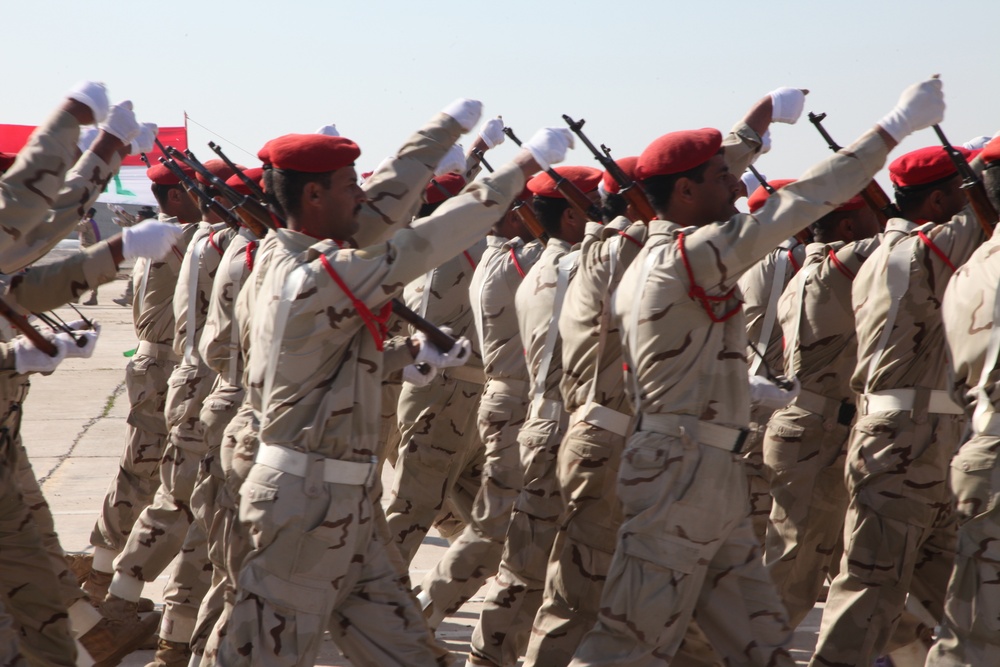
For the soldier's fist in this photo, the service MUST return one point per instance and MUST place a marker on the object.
(465, 111)
(920, 106)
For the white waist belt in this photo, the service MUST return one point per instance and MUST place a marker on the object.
(602, 417)
(352, 473)
(546, 409)
(466, 374)
(817, 403)
(706, 433)
(509, 387)
(156, 350)
(939, 402)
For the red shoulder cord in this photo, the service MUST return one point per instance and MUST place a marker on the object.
(211, 241)
(791, 258)
(376, 324)
(697, 292)
(251, 248)
(630, 238)
(517, 264)
(472, 262)
(843, 268)
(936, 250)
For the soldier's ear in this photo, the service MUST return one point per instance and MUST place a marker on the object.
(683, 191)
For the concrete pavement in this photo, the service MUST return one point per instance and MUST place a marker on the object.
(74, 429)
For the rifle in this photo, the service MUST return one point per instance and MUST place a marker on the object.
(21, 323)
(873, 194)
(250, 211)
(437, 338)
(277, 220)
(628, 188)
(577, 199)
(763, 181)
(521, 208)
(972, 185)
(192, 187)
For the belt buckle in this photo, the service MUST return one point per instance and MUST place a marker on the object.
(741, 440)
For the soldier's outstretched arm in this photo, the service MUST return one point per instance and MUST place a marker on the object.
(749, 137)
(396, 187)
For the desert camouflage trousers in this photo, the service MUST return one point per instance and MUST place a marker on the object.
(439, 459)
(161, 528)
(757, 482)
(317, 563)
(475, 554)
(686, 549)
(971, 625)
(389, 435)
(515, 595)
(804, 458)
(899, 533)
(138, 477)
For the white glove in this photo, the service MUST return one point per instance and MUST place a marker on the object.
(750, 182)
(29, 359)
(549, 145)
(765, 142)
(920, 106)
(465, 111)
(453, 161)
(74, 349)
(414, 376)
(121, 122)
(150, 238)
(492, 132)
(329, 130)
(766, 394)
(94, 95)
(787, 104)
(456, 356)
(977, 143)
(87, 136)
(144, 141)
(84, 325)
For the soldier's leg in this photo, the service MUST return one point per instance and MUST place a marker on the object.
(971, 625)
(474, 556)
(389, 434)
(137, 478)
(804, 455)
(587, 469)
(186, 586)
(757, 482)
(897, 480)
(515, 595)
(685, 509)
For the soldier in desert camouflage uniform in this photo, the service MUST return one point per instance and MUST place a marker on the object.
(971, 315)
(686, 547)
(899, 533)
(515, 595)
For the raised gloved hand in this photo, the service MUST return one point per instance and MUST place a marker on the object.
(549, 145)
(419, 376)
(149, 238)
(750, 182)
(95, 95)
(29, 359)
(81, 334)
(121, 122)
(920, 106)
(465, 111)
(144, 141)
(456, 356)
(764, 393)
(453, 161)
(491, 132)
(976, 143)
(787, 104)
(329, 130)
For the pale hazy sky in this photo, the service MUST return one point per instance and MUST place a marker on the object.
(253, 70)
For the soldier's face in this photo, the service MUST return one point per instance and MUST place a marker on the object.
(341, 203)
(716, 195)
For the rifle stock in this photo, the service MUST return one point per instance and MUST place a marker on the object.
(21, 323)
(437, 338)
(972, 186)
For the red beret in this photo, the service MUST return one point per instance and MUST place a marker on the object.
(923, 166)
(219, 168)
(760, 195)
(991, 151)
(853, 204)
(627, 165)
(585, 178)
(678, 152)
(6, 161)
(236, 183)
(264, 154)
(312, 153)
(452, 184)
(160, 175)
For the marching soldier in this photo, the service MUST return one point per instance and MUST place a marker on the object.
(687, 542)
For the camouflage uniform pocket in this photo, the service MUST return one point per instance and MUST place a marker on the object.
(783, 446)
